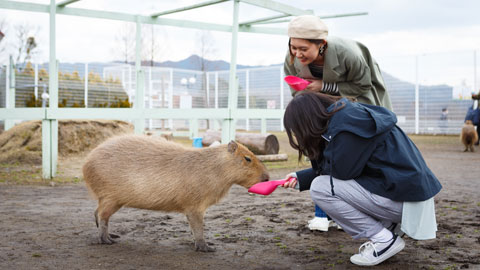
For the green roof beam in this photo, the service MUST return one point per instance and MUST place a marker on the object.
(66, 2)
(15, 5)
(204, 4)
(321, 17)
(264, 19)
(282, 8)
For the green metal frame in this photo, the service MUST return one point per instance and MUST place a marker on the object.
(139, 113)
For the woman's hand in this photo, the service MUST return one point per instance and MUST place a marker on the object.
(315, 85)
(292, 180)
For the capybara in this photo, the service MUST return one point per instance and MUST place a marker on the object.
(153, 173)
(469, 136)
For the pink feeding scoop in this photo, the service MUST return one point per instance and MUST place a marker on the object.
(298, 84)
(266, 188)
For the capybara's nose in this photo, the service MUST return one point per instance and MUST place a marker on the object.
(265, 177)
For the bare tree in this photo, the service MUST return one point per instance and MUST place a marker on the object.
(206, 49)
(25, 45)
(125, 42)
(3, 32)
(154, 44)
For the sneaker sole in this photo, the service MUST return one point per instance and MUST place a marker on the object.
(390, 253)
(317, 229)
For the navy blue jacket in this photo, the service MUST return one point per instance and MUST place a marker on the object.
(365, 144)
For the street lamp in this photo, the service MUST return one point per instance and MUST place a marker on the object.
(188, 82)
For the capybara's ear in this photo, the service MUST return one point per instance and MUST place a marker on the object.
(232, 146)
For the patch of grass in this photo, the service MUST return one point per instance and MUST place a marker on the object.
(276, 238)
(36, 255)
(216, 235)
(270, 230)
(281, 245)
(459, 236)
(228, 220)
(249, 219)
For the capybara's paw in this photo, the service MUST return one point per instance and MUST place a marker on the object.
(203, 248)
(106, 240)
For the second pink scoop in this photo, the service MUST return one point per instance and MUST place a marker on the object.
(296, 83)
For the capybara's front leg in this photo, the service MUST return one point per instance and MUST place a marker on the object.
(104, 211)
(195, 219)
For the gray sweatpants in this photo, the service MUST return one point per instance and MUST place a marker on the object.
(361, 213)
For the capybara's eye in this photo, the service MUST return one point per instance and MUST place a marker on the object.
(248, 159)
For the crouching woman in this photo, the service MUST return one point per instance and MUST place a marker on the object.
(366, 174)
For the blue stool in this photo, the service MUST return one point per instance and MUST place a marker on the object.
(197, 142)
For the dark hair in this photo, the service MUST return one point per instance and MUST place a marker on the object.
(314, 41)
(306, 119)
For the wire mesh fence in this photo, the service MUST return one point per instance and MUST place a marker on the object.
(430, 93)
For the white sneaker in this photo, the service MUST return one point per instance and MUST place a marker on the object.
(319, 224)
(374, 253)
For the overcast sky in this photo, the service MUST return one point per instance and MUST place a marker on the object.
(442, 32)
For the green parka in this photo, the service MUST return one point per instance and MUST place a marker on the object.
(348, 64)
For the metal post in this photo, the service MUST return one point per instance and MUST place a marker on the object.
(140, 91)
(207, 88)
(46, 147)
(10, 93)
(216, 125)
(247, 97)
(50, 126)
(282, 97)
(170, 98)
(229, 133)
(417, 106)
(35, 82)
(129, 88)
(475, 89)
(263, 128)
(216, 89)
(85, 99)
(150, 86)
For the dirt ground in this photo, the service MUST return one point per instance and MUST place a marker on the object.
(51, 225)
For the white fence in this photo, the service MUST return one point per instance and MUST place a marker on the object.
(107, 85)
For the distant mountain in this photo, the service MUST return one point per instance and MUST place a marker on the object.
(194, 62)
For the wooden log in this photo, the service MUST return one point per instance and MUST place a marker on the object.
(259, 144)
(277, 157)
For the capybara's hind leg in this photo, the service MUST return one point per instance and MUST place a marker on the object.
(96, 222)
(195, 219)
(103, 213)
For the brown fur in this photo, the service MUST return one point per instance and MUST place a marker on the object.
(469, 136)
(152, 173)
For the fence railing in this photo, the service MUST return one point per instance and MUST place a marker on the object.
(422, 106)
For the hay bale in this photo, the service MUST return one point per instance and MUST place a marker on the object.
(23, 142)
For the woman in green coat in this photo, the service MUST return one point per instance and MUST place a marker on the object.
(334, 66)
